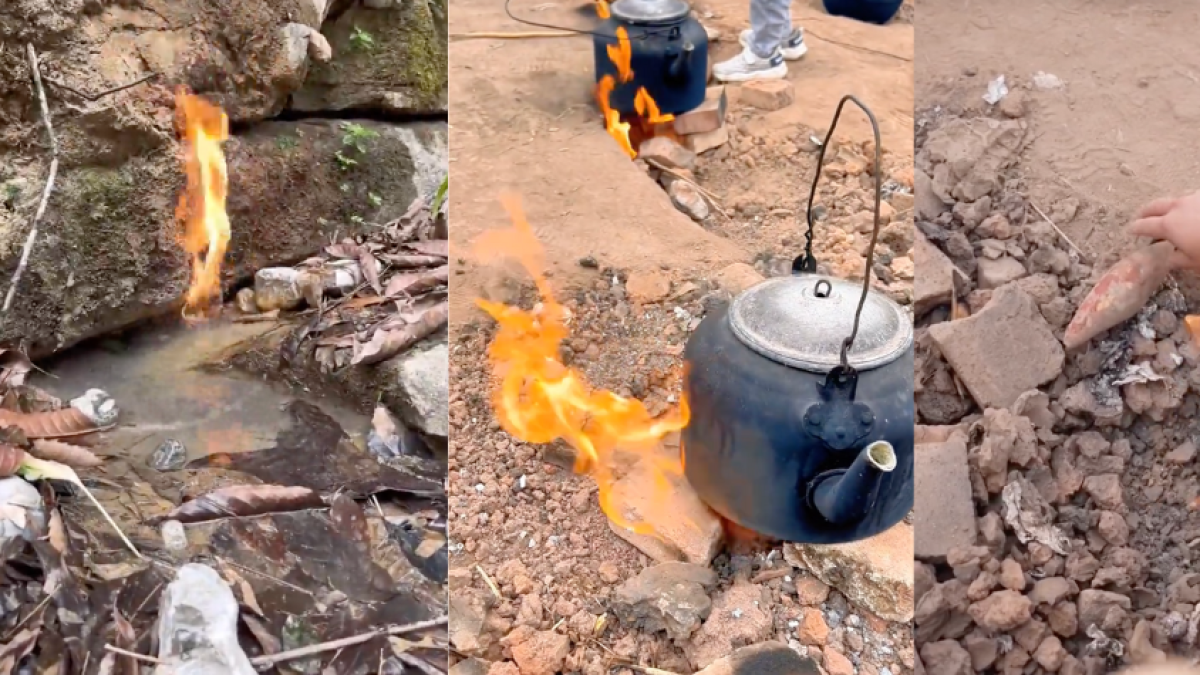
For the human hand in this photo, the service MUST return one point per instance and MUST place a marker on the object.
(1176, 220)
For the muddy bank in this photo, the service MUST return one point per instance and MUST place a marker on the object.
(108, 253)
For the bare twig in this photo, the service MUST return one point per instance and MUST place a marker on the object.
(106, 92)
(293, 654)
(490, 584)
(708, 196)
(268, 577)
(41, 211)
(134, 655)
(1058, 230)
(500, 35)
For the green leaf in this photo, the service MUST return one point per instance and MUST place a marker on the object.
(440, 197)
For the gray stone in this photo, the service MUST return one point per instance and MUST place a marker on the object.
(944, 513)
(423, 388)
(471, 666)
(929, 205)
(197, 626)
(672, 597)
(934, 272)
(170, 455)
(1003, 351)
(996, 273)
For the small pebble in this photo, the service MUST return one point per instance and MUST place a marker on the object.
(170, 455)
(174, 537)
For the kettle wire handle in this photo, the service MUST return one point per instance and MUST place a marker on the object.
(807, 263)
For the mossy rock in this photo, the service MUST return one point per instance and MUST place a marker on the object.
(392, 60)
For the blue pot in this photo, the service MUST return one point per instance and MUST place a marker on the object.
(870, 11)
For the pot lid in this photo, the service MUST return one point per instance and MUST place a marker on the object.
(650, 11)
(802, 321)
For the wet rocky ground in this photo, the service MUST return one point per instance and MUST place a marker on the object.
(1056, 490)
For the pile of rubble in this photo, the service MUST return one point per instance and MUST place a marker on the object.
(1054, 489)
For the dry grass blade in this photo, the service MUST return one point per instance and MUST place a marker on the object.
(63, 423)
(370, 270)
(385, 344)
(11, 458)
(438, 247)
(413, 283)
(59, 451)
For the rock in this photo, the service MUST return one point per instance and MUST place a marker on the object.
(1003, 351)
(996, 273)
(467, 619)
(1001, 611)
(663, 150)
(1101, 608)
(22, 515)
(944, 511)
(277, 288)
(875, 574)
(709, 140)
(813, 630)
(765, 658)
(646, 288)
(836, 662)
(934, 283)
(947, 657)
(768, 94)
(1013, 107)
(811, 592)
(687, 531)
(687, 199)
(198, 626)
(1050, 654)
(968, 155)
(387, 59)
(245, 301)
(471, 666)
(671, 596)
(929, 206)
(1183, 454)
(504, 668)
(709, 116)
(112, 218)
(419, 387)
(170, 455)
(174, 536)
(740, 616)
(1012, 576)
(1105, 490)
(1050, 590)
(738, 277)
(543, 653)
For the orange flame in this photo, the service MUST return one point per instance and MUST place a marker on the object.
(202, 205)
(621, 55)
(540, 400)
(602, 9)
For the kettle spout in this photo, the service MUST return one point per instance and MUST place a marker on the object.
(848, 496)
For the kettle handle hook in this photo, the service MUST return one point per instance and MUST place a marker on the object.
(807, 263)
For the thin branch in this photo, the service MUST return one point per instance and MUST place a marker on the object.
(293, 654)
(106, 92)
(1058, 230)
(528, 35)
(134, 655)
(41, 211)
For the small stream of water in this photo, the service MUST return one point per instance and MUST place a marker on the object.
(155, 376)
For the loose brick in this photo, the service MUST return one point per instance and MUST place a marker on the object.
(768, 94)
(709, 116)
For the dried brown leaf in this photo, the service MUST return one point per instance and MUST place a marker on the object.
(14, 367)
(242, 501)
(66, 453)
(438, 247)
(412, 283)
(11, 458)
(249, 599)
(126, 639)
(370, 270)
(385, 344)
(270, 644)
(347, 249)
(63, 423)
(57, 532)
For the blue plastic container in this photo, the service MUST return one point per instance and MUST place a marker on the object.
(870, 11)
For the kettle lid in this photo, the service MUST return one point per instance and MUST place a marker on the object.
(802, 321)
(650, 11)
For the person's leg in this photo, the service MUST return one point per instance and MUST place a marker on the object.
(761, 59)
(770, 24)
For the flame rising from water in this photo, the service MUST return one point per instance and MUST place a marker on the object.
(202, 205)
(539, 399)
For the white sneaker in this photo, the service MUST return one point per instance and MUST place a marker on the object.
(793, 47)
(747, 66)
